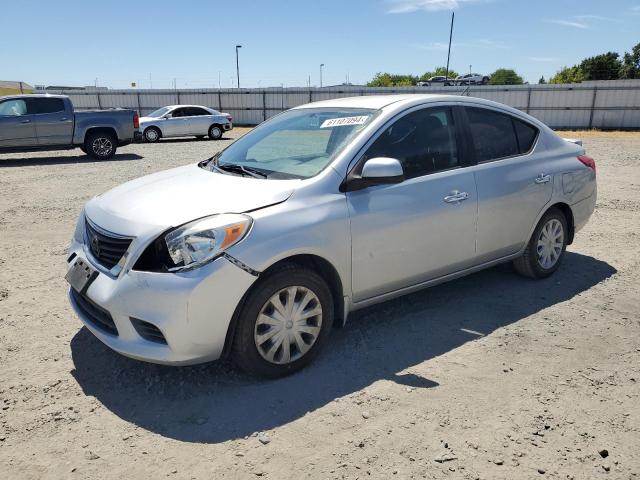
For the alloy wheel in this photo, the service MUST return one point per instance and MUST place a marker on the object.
(102, 146)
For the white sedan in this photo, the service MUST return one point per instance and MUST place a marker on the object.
(185, 121)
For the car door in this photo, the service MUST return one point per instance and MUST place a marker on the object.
(197, 121)
(421, 228)
(54, 125)
(174, 125)
(17, 124)
(512, 180)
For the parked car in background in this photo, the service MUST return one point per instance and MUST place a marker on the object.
(185, 121)
(472, 79)
(49, 122)
(437, 81)
(329, 207)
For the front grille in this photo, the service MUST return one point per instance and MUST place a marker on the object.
(106, 249)
(148, 331)
(98, 316)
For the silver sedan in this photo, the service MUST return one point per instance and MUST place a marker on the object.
(185, 121)
(324, 209)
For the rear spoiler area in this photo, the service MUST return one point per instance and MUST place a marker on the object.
(575, 141)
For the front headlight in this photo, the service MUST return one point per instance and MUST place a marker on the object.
(201, 241)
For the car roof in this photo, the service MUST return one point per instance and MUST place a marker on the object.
(183, 106)
(397, 103)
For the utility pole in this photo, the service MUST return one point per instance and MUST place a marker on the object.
(321, 67)
(446, 75)
(238, 64)
(219, 82)
(150, 82)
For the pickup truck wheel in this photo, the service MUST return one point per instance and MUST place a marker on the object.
(100, 146)
(152, 135)
(215, 132)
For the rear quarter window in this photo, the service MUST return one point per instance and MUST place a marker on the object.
(527, 135)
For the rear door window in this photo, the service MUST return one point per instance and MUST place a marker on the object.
(493, 133)
(196, 112)
(48, 105)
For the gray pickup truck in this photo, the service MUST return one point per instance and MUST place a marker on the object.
(48, 122)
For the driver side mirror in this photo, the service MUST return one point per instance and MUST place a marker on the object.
(375, 171)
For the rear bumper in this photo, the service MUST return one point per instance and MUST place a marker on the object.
(137, 136)
(227, 126)
(583, 210)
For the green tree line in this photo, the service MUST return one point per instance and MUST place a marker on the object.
(607, 66)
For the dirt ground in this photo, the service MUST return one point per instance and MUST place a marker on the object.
(491, 376)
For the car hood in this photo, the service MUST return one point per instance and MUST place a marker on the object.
(173, 197)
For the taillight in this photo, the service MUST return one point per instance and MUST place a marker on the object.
(588, 161)
(230, 118)
(136, 120)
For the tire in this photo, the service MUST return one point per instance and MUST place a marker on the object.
(101, 145)
(215, 132)
(152, 135)
(533, 264)
(251, 355)
(485, 80)
(84, 150)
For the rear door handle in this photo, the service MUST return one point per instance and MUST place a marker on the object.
(542, 178)
(64, 119)
(26, 121)
(456, 197)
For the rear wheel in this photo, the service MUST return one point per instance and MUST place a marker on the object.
(101, 145)
(546, 247)
(215, 132)
(284, 322)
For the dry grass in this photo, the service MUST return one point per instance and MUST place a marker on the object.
(598, 134)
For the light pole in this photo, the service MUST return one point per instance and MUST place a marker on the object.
(446, 75)
(238, 64)
(321, 66)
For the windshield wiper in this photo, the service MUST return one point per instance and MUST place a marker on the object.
(237, 168)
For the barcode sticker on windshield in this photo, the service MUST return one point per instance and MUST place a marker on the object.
(344, 121)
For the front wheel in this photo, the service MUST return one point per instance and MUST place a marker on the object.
(152, 135)
(546, 247)
(284, 322)
(215, 132)
(100, 146)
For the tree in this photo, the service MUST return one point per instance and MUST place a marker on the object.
(392, 80)
(542, 81)
(568, 75)
(505, 76)
(630, 67)
(438, 71)
(601, 67)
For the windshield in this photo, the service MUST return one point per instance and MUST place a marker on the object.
(158, 113)
(296, 143)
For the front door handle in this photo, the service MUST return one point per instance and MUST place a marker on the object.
(456, 197)
(542, 178)
(26, 121)
(64, 119)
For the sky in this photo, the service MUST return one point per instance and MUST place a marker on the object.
(192, 42)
